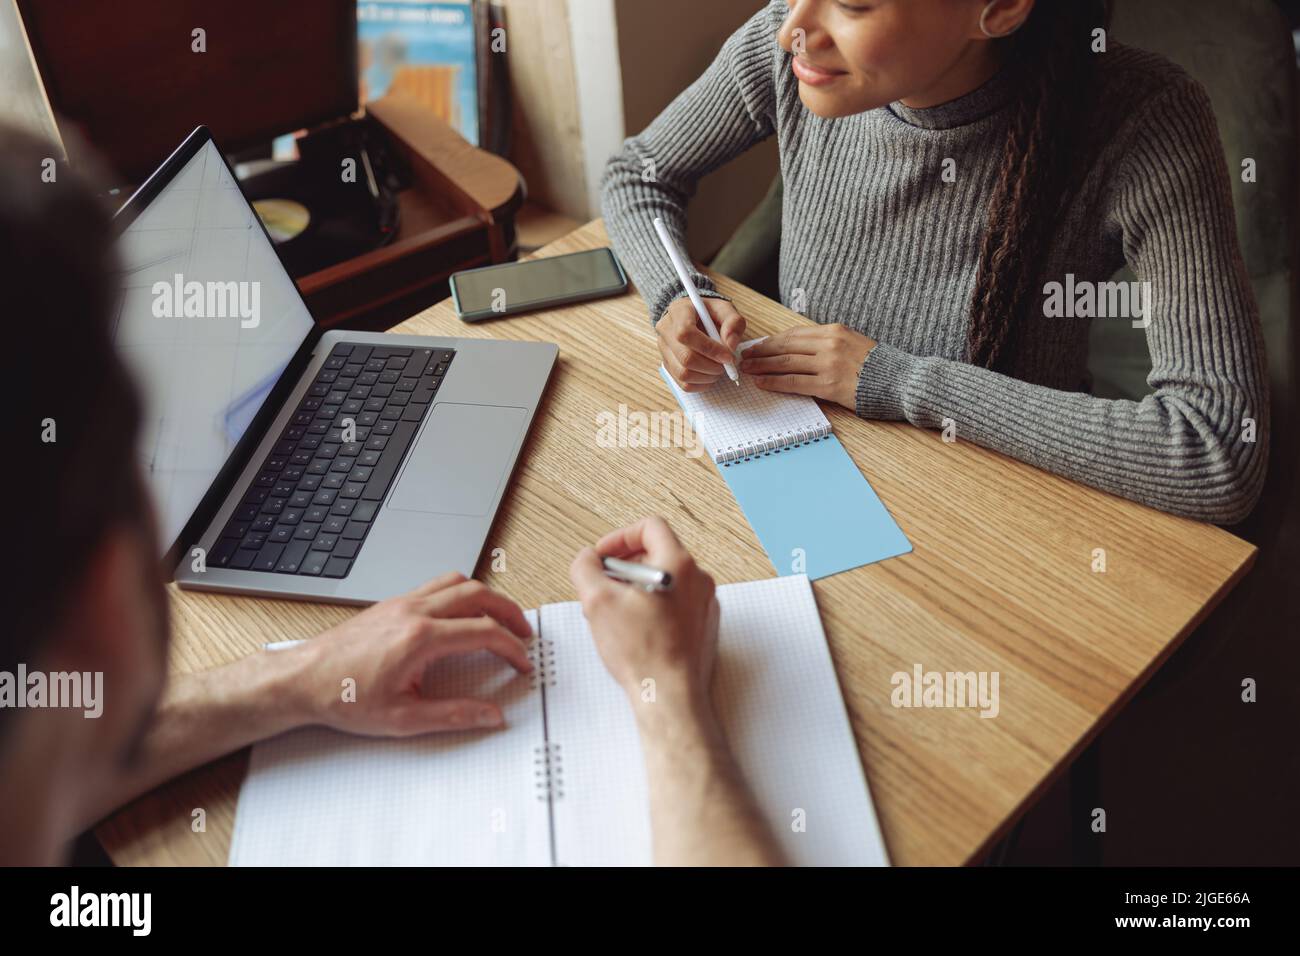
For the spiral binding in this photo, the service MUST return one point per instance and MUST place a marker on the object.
(765, 446)
(548, 773)
(542, 655)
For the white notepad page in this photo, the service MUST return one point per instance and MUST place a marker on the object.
(733, 420)
(316, 797)
(779, 701)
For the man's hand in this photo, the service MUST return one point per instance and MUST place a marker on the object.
(701, 810)
(822, 361)
(669, 637)
(692, 358)
(387, 648)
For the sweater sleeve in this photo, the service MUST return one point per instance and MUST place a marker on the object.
(1196, 446)
(722, 114)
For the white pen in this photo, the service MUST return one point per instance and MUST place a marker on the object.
(642, 575)
(280, 645)
(684, 274)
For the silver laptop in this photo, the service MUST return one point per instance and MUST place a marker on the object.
(288, 461)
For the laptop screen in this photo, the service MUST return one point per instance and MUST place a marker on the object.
(208, 321)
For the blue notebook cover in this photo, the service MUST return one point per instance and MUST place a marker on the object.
(813, 511)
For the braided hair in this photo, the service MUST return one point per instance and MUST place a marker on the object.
(1053, 64)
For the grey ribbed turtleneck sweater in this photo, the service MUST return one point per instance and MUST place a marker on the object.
(874, 238)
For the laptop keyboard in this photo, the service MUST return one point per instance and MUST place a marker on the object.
(316, 495)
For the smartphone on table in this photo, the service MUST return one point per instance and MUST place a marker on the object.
(514, 287)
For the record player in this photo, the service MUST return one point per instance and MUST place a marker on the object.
(380, 205)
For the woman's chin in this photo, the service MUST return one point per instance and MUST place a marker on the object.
(828, 105)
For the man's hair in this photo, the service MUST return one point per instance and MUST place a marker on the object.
(72, 408)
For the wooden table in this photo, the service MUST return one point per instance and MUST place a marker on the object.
(1001, 579)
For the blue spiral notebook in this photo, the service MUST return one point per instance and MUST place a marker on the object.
(813, 511)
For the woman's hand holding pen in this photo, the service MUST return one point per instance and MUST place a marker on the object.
(692, 358)
(822, 361)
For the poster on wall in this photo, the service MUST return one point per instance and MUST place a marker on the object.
(424, 50)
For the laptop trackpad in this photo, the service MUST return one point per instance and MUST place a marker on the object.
(460, 459)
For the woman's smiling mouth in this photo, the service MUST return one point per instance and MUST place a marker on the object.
(814, 75)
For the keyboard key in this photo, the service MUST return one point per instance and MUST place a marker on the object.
(413, 413)
(243, 559)
(268, 557)
(222, 553)
(292, 557)
(246, 513)
(282, 489)
(337, 567)
(347, 549)
(325, 542)
(383, 473)
(360, 353)
(316, 513)
(334, 525)
(300, 499)
(282, 533)
(264, 523)
(368, 458)
(325, 496)
(290, 517)
(344, 507)
(237, 529)
(365, 511)
(333, 482)
(355, 530)
(309, 483)
(360, 474)
(306, 532)
(253, 540)
(399, 399)
(292, 473)
(314, 563)
(273, 506)
(352, 489)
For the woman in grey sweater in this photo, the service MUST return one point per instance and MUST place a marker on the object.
(962, 178)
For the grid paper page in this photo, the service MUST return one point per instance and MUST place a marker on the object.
(602, 807)
(777, 696)
(316, 797)
(733, 420)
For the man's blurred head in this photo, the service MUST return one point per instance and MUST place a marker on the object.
(83, 592)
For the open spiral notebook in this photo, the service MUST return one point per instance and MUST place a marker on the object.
(563, 784)
(811, 507)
